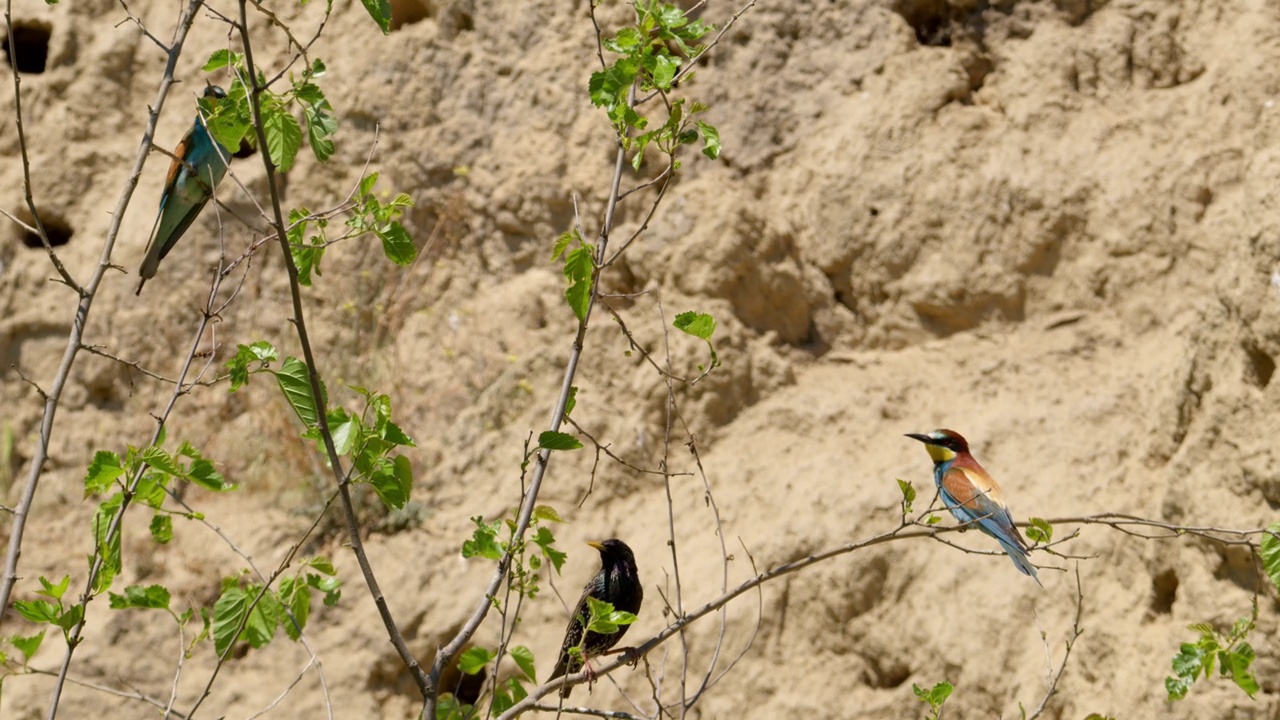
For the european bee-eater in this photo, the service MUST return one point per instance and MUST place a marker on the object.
(198, 167)
(972, 495)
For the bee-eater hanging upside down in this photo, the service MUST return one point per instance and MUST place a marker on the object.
(972, 495)
(198, 167)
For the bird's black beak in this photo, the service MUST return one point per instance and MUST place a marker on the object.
(917, 436)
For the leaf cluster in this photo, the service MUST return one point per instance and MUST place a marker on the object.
(1229, 652)
(253, 612)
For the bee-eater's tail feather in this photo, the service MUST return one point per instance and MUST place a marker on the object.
(1020, 561)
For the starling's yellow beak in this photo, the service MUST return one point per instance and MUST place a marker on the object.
(596, 545)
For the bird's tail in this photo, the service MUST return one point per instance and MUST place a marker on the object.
(1019, 557)
(559, 670)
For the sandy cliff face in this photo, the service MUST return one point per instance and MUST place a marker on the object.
(1051, 226)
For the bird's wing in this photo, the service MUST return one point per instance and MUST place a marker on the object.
(976, 499)
(176, 166)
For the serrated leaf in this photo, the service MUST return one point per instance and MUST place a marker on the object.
(264, 618)
(344, 428)
(562, 243)
(548, 513)
(220, 59)
(109, 551)
(103, 470)
(1177, 687)
(524, 660)
(710, 140)
(284, 135)
(296, 597)
(366, 186)
(473, 660)
(28, 645)
(699, 325)
(152, 597)
(160, 460)
(37, 611)
(380, 11)
(572, 401)
(228, 612)
(908, 494)
(1271, 553)
(549, 440)
(322, 564)
(70, 617)
(578, 269)
(1040, 531)
(544, 540)
(161, 528)
(260, 353)
(397, 245)
(296, 386)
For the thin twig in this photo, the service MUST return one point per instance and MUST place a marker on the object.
(1076, 632)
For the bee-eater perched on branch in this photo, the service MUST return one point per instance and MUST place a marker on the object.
(198, 165)
(972, 495)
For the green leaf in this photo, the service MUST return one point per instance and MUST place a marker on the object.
(710, 140)
(604, 619)
(1177, 688)
(562, 243)
(296, 597)
(663, 71)
(296, 385)
(160, 460)
(110, 551)
(366, 186)
(544, 540)
(548, 513)
(70, 617)
(103, 471)
(1189, 662)
(932, 520)
(699, 325)
(483, 541)
(161, 528)
(321, 125)
(152, 597)
(549, 440)
(393, 434)
(50, 590)
(524, 660)
(1239, 662)
(393, 481)
(578, 269)
(397, 245)
(321, 564)
(1040, 531)
(228, 119)
(28, 646)
(220, 59)
(380, 11)
(264, 618)
(473, 660)
(37, 611)
(908, 494)
(572, 401)
(284, 136)
(260, 353)
(345, 429)
(228, 612)
(1271, 552)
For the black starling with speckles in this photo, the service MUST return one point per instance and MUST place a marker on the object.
(617, 583)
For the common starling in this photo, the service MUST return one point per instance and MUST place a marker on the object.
(617, 583)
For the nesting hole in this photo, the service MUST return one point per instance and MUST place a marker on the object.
(56, 226)
(1261, 366)
(930, 19)
(30, 51)
(245, 150)
(408, 12)
(1164, 588)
